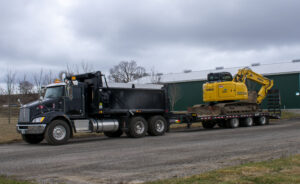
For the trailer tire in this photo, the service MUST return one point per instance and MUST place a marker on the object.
(233, 123)
(138, 127)
(33, 138)
(222, 124)
(263, 120)
(248, 122)
(58, 132)
(208, 125)
(117, 133)
(157, 125)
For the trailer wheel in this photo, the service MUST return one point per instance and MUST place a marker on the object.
(33, 138)
(263, 120)
(117, 133)
(233, 123)
(222, 124)
(157, 125)
(248, 122)
(138, 127)
(208, 124)
(58, 132)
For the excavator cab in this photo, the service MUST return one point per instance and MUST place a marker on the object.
(219, 77)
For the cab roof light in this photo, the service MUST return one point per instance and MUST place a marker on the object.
(57, 81)
(73, 78)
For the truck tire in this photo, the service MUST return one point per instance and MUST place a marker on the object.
(248, 122)
(208, 124)
(263, 120)
(58, 132)
(138, 127)
(33, 138)
(157, 125)
(233, 123)
(117, 133)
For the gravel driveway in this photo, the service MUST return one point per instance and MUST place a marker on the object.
(125, 160)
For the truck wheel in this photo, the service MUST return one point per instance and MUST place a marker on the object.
(248, 122)
(157, 125)
(117, 133)
(58, 132)
(208, 125)
(233, 123)
(33, 138)
(263, 120)
(137, 127)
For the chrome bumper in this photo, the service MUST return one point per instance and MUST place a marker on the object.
(31, 128)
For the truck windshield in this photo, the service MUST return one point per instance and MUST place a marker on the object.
(54, 92)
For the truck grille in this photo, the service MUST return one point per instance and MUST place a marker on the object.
(24, 115)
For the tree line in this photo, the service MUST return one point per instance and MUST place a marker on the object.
(124, 72)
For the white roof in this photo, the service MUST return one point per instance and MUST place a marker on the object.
(264, 69)
(118, 85)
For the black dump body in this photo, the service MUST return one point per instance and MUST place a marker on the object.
(125, 99)
(101, 99)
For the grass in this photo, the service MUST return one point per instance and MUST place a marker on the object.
(8, 132)
(6, 180)
(289, 115)
(279, 171)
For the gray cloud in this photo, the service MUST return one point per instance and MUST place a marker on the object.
(169, 35)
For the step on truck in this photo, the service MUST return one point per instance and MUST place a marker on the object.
(86, 103)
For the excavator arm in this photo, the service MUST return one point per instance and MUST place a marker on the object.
(247, 73)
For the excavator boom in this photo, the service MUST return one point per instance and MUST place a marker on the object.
(247, 73)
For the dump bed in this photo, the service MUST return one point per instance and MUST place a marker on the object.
(135, 99)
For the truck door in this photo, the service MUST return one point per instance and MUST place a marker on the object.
(74, 103)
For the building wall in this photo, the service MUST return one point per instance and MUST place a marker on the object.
(190, 93)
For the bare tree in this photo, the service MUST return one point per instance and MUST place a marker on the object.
(155, 77)
(39, 80)
(86, 67)
(126, 71)
(174, 94)
(48, 77)
(2, 91)
(10, 78)
(74, 69)
(25, 87)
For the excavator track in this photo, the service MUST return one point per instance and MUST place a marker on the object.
(231, 108)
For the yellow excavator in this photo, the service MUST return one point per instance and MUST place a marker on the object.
(228, 95)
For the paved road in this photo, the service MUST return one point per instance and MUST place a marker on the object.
(179, 153)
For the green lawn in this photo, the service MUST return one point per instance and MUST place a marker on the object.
(6, 180)
(279, 171)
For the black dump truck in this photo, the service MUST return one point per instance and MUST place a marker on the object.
(85, 103)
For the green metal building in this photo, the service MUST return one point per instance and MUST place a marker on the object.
(185, 89)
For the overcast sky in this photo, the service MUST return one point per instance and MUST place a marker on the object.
(169, 35)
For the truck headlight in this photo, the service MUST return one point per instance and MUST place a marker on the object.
(38, 120)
